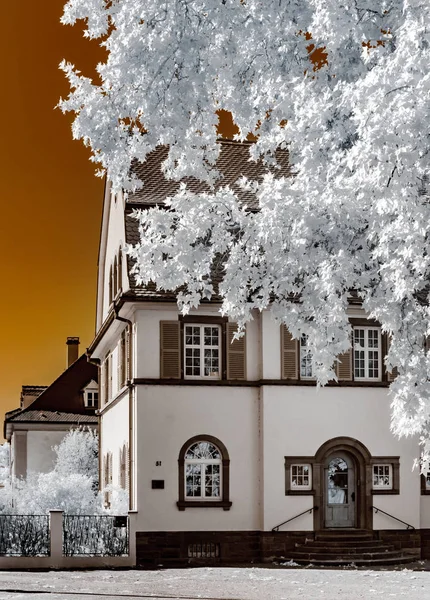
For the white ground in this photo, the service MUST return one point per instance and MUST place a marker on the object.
(217, 584)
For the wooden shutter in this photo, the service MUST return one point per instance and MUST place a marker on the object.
(103, 383)
(236, 354)
(127, 467)
(289, 355)
(122, 467)
(127, 354)
(122, 361)
(170, 350)
(391, 375)
(344, 366)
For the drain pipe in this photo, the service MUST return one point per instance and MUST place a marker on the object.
(130, 386)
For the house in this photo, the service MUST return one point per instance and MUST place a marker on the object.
(46, 414)
(229, 450)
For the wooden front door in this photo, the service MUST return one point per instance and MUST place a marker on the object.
(340, 490)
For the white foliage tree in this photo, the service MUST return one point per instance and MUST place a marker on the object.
(78, 453)
(353, 217)
(4, 463)
(71, 486)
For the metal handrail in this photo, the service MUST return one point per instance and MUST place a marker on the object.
(309, 510)
(393, 517)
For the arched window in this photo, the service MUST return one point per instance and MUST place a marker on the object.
(111, 292)
(115, 277)
(120, 268)
(204, 472)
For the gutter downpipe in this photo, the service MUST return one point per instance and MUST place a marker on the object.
(130, 385)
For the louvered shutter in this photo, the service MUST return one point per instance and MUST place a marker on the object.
(103, 383)
(120, 365)
(127, 468)
(236, 354)
(391, 375)
(170, 350)
(122, 361)
(122, 467)
(289, 355)
(344, 366)
(127, 354)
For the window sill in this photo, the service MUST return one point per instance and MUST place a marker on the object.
(425, 492)
(385, 492)
(300, 492)
(183, 504)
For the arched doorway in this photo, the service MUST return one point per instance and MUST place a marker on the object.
(339, 490)
(342, 495)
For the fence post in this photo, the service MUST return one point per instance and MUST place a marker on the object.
(132, 526)
(56, 532)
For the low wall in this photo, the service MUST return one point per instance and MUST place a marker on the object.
(56, 560)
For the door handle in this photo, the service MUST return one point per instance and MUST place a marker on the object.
(353, 496)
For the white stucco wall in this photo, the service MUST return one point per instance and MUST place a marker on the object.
(40, 454)
(169, 416)
(114, 427)
(297, 420)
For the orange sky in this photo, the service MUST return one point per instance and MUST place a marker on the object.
(50, 200)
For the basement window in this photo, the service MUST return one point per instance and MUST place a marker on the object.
(203, 550)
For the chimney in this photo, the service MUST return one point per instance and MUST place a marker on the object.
(72, 350)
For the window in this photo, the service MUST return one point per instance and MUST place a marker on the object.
(367, 351)
(301, 478)
(202, 351)
(204, 467)
(298, 475)
(382, 477)
(91, 399)
(428, 480)
(305, 358)
(203, 550)
(202, 471)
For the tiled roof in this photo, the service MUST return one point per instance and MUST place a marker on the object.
(51, 416)
(233, 163)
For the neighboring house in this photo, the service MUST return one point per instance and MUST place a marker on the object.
(48, 413)
(221, 442)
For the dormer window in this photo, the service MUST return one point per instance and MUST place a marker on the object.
(91, 395)
(91, 399)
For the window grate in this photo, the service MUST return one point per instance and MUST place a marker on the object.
(203, 550)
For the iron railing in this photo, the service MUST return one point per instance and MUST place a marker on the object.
(95, 535)
(309, 510)
(24, 535)
(376, 509)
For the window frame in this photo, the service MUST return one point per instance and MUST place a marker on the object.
(298, 466)
(301, 376)
(203, 463)
(394, 463)
(425, 487)
(298, 461)
(188, 502)
(366, 349)
(201, 326)
(378, 475)
(87, 398)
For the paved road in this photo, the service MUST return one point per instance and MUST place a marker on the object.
(217, 584)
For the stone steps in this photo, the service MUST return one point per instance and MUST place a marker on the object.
(344, 547)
